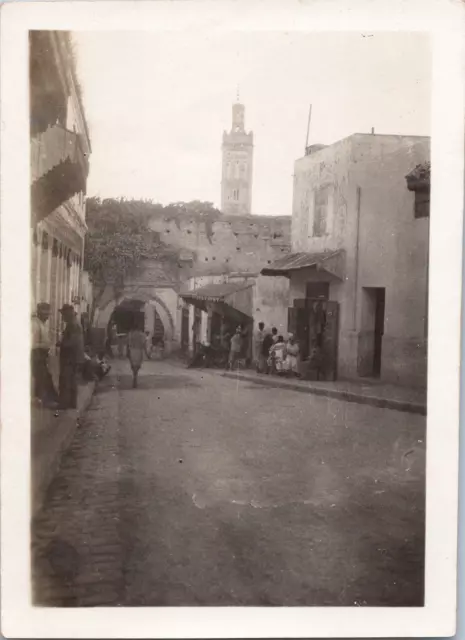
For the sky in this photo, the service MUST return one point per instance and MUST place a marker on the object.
(157, 104)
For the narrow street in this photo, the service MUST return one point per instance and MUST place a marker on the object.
(196, 489)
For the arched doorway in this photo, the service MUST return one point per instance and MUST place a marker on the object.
(133, 313)
(137, 313)
(157, 317)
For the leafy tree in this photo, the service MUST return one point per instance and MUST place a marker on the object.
(118, 241)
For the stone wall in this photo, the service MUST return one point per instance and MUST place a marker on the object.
(210, 250)
(228, 244)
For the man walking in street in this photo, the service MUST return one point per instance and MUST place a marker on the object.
(44, 389)
(260, 360)
(137, 347)
(71, 357)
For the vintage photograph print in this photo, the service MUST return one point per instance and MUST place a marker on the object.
(229, 286)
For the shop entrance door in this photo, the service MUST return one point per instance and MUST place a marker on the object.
(315, 324)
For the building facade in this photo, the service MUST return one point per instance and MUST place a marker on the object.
(225, 249)
(237, 166)
(60, 150)
(358, 270)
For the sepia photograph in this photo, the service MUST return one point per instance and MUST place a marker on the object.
(229, 268)
(230, 285)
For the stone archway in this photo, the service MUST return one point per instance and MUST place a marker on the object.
(150, 299)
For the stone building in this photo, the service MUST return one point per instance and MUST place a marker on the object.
(358, 270)
(60, 150)
(210, 250)
(237, 166)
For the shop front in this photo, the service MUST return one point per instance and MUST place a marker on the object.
(313, 318)
(223, 307)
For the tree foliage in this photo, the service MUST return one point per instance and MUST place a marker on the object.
(120, 239)
(117, 242)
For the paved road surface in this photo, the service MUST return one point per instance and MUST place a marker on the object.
(200, 490)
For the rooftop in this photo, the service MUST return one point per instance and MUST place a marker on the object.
(313, 149)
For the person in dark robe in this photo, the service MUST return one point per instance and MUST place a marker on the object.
(266, 346)
(85, 324)
(71, 358)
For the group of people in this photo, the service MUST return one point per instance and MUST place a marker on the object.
(74, 359)
(273, 354)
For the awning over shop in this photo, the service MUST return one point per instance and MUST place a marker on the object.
(331, 262)
(227, 297)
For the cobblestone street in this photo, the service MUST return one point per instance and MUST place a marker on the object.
(196, 489)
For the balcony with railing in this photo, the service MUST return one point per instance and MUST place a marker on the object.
(59, 169)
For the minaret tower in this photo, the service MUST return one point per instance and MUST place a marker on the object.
(236, 181)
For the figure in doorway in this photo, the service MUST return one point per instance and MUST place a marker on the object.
(85, 324)
(278, 356)
(135, 351)
(259, 337)
(266, 346)
(235, 349)
(292, 356)
(71, 357)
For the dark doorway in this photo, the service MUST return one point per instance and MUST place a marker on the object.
(370, 341)
(317, 290)
(196, 327)
(185, 330)
(158, 328)
(215, 327)
(379, 330)
(315, 325)
(128, 315)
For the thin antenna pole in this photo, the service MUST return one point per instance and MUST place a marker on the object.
(308, 127)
